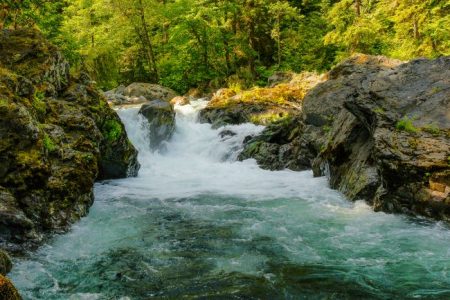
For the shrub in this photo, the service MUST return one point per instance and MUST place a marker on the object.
(406, 124)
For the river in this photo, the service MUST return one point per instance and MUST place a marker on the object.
(197, 224)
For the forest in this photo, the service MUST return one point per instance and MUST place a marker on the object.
(212, 43)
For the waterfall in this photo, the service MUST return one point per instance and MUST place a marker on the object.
(196, 223)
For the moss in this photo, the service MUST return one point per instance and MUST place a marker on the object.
(28, 157)
(432, 128)
(406, 124)
(413, 143)
(326, 128)
(49, 144)
(267, 118)
(436, 90)
(4, 102)
(39, 104)
(379, 110)
(112, 130)
(99, 107)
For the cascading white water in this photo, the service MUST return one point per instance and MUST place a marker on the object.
(196, 223)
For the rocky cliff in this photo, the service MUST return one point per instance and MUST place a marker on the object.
(378, 128)
(57, 136)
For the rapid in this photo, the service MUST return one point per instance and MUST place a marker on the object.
(198, 224)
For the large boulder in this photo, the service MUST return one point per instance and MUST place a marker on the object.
(138, 93)
(57, 136)
(149, 91)
(161, 121)
(261, 106)
(390, 143)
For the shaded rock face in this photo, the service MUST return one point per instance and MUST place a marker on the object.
(138, 93)
(261, 106)
(378, 128)
(279, 147)
(57, 136)
(308, 132)
(161, 121)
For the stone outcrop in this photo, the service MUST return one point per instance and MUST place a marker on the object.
(161, 121)
(138, 93)
(378, 128)
(260, 106)
(390, 142)
(57, 136)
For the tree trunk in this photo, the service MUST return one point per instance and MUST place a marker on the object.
(146, 40)
(416, 29)
(358, 7)
(279, 39)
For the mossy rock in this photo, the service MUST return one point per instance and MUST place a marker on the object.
(57, 137)
(7, 290)
(260, 106)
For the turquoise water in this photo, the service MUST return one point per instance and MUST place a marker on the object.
(196, 224)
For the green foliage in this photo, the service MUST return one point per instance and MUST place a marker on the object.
(406, 124)
(112, 130)
(49, 144)
(209, 44)
(432, 128)
(39, 104)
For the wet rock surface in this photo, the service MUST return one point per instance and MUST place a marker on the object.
(57, 136)
(378, 128)
(161, 121)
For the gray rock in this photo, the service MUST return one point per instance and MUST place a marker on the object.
(161, 120)
(389, 143)
(149, 91)
(378, 128)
